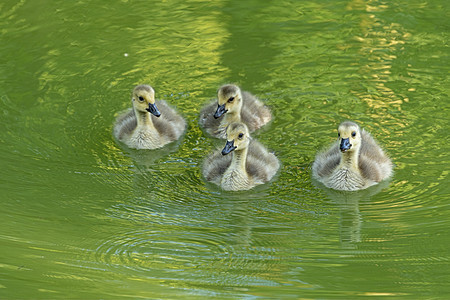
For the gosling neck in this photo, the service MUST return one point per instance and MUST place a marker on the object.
(144, 119)
(239, 160)
(231, 117)
(228, 118)
(350, 159)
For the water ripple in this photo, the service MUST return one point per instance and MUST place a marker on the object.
(170, 254)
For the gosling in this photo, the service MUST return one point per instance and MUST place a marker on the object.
(354, 162)
(242, 164)
(232, 105)
(149, 124)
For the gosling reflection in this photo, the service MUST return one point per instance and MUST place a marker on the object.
(350, 218)
(146, 160)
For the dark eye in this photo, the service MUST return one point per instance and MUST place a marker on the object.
(231, 99)
(241, 135)
(353, 133)
(339, 135)
(141, 98)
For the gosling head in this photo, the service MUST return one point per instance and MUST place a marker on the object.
(230, 100)
(349, 135)
(238, 138)
(143, 98)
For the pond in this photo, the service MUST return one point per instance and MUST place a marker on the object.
(84, 217)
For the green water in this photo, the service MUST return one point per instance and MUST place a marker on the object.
(83, 217)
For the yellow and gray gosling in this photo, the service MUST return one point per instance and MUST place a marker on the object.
(354, 162)
(150, 124)
(232, 105)
(242, 164)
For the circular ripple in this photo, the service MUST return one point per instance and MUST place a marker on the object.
(165, 251)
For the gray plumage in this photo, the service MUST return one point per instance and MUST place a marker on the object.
(252, 112)
(140, 129)
(260, 166)
(365, 165)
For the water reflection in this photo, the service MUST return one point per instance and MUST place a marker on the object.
(204, 240)
(380, 44)
(246, 43)
(81, 211)
(145, 159)
(191, 232)
(348, 204)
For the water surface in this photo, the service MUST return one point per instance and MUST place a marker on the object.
(84, 217)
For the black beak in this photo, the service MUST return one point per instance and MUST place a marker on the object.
(345, 144)
(220, 111)
(229, 146)
(153, 110)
